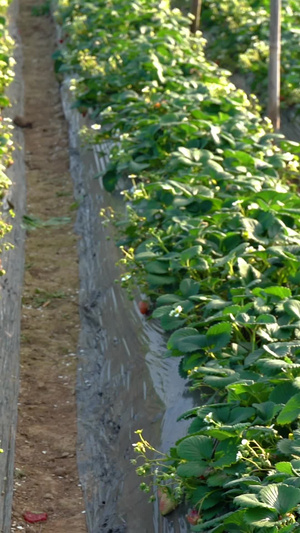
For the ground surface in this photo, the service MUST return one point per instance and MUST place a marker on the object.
(46, 476)
(115, 391)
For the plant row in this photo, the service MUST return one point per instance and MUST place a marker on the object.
(239, 39)
(6, 148)
(212, 236)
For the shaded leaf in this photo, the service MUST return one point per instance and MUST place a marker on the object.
(218, 335)
(195, 448)
(260, 517)
(189, 287)
(178, 335)
(191, 469)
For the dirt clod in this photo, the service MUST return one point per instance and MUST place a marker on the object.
(22, 122)
(49, 496)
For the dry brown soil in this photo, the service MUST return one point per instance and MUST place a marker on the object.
(46, 476)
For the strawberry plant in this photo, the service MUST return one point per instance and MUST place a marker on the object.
(239, 38)
(212, 234)
(6, 148)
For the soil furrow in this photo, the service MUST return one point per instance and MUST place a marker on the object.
(46, 478)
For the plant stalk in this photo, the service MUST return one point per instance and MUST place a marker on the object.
(274, 64)
(196, 11)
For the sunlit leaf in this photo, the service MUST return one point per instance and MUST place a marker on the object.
(291, 410)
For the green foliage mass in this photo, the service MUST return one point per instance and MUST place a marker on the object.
(212, 234)
(238, 35)
(6, 148)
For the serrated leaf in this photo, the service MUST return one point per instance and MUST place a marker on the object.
(244, 318)
(189, 287)
(219, 335)
(280, 292)
(248, 501)
(195, 426)
(195, 448)
(292, 308)
(251, 391)
(199, 264)
(226, 453)
(237, 518)
(154, 279)
(168, 323)
(260, 517)
(247, 272)
(180, 335)
(248, 480)
(221, 433)
(192, 343)
(240, 414)
(161, 311)
(266, 319)
(284, 467)
(267, 410)
(144, 256)
(168, 299)
(157, 267)
(281, 497)
(189, 362)
(277, 349)
(218, 382)
(291, 410)
(191, 469)
(283, 392)
(217, 480)
(268, 366)
(191, 252)
(188, 414)
(289, 447)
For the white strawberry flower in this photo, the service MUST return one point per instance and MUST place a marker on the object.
(176, 312)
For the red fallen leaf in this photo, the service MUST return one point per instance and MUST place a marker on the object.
(193, 517)
(166, 503)
(143, 307)
(32, 518)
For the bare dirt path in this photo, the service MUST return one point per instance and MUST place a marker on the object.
(46, 476)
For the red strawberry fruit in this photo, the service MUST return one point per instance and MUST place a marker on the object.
(193, 517)
(32, 518)
(143, 307)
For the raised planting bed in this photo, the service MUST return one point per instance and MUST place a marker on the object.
(123, 383)
(12, 208)
(212, 238)
(238, 38)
